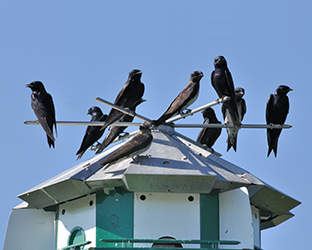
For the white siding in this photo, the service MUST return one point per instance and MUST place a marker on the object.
(78, 213)
(30, 229)
(235, 218)
(166, 214)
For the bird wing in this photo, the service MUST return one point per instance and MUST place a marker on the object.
(230, 83)
(181, 101)
(244, 108)
(269, 109)
(223, 109)
(42, 114)
(115, 131)
(138, 142)
(51, 112)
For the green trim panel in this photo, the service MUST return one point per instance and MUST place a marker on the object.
(209, 217)
(114, 216)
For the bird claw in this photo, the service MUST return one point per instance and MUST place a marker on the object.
(137, 157)
(121, 137)
(93, 148)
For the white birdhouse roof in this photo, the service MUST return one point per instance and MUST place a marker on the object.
(173, 163)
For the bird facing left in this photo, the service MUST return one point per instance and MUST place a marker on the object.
(43, 106)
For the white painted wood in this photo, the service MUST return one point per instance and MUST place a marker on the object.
(256, 225)
(30, 229)
(78, 213)
(166, 214)
(236, 219)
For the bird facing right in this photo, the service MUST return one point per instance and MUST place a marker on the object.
(186, 97)
(93, 133)
(137, 145)
(277, 109)
(131, 92)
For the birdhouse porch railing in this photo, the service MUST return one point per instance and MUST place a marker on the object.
(127, 243)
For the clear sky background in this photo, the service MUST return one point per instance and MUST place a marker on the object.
(84, 49)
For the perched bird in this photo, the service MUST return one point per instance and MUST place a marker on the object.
(137, 145)
(116, 130)
(222, 82)
(93, 133)
(187, 97)
(241, 108)
(42, 104)
(131, 92)
(208, 136)
(276, 112)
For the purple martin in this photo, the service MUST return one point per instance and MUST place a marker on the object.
(116, 130)
(222, 82)
(208, 136)
(187, 97)
(137, 145)
(276, 112)
(241, 108)
(93, 133)
(42, 104)
(131, 92)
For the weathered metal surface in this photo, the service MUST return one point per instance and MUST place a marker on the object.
(173, 163)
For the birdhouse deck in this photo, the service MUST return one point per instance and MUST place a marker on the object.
(177, 193)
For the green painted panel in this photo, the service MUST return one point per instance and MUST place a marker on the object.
(209, 217)
(114, 216)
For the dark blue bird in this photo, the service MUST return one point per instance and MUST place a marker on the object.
(187, 97)
(277, 109)
(131, 92)
(93, 133)
(208, 136)
(137, 145)
(117, 130)
(43, 106)
(222, 82)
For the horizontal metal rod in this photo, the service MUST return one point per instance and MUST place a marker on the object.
(208, 105)
(125, 111)
(271, 126)
(200, 125)
(79, 123)
(172, 241)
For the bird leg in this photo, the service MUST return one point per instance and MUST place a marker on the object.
(186, 112)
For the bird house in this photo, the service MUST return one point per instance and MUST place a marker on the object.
(177, 194)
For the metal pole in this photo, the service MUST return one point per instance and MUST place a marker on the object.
(126, 111)
(81, 123)
(270, 126)
(200, 125)
(208, 105)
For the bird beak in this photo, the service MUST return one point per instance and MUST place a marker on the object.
(290, 90)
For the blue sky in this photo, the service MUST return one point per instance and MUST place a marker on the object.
(84, 49)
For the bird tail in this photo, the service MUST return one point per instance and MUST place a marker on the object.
(232, 142)
(80, 155)
(50, 142)
(274, 148)
(101, 148)
(160, 120)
